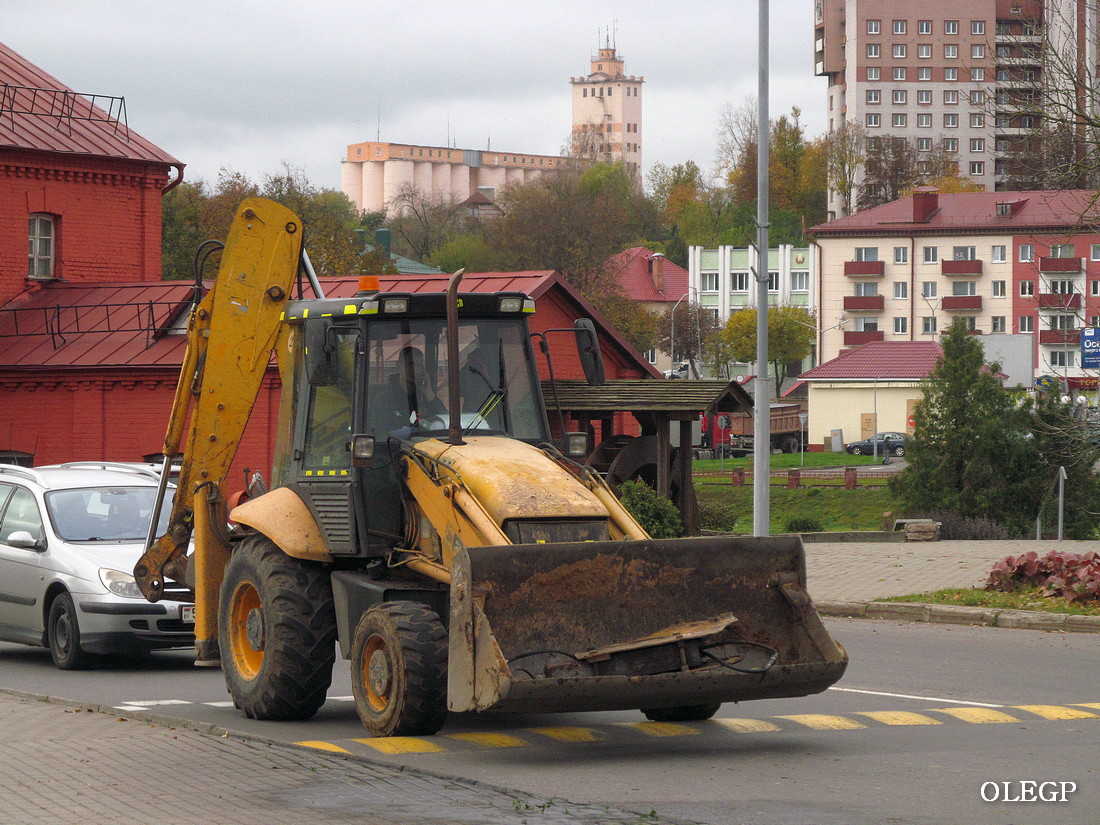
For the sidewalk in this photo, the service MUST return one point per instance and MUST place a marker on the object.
(846, 579)
(60, 763)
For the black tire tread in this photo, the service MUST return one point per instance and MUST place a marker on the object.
(682, 713)
(300, 645)
(417, 630)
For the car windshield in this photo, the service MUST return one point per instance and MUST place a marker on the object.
(105, 513)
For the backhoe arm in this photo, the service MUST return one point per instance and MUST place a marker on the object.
(231, 336)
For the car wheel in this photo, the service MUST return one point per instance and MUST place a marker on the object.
(899, 451)
(856, 450)
(63, 632)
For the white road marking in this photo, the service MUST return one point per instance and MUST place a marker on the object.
(921, 698)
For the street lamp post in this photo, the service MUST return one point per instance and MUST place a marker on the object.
(672, 331)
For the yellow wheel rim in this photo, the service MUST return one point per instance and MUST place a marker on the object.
(246, 642)
(377, 674)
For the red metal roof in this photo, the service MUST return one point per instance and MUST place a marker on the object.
(39, 112)
(975, 211)
(77, 326)
(94, 325)
(637, 280)
(884, 360)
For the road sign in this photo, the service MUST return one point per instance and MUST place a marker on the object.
(1090, 347)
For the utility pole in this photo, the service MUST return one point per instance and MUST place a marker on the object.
(762, 408)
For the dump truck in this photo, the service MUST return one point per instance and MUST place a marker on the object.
(424, 521)
(732, 434)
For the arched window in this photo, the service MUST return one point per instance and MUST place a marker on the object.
(41, 231)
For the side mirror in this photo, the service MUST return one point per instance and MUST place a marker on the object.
(318, 356)
(588, 346)
(21, 538)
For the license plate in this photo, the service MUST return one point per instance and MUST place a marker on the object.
(187, 613)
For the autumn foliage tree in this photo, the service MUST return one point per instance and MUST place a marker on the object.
(791, 336)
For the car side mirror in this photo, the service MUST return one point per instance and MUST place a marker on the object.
(21, 538)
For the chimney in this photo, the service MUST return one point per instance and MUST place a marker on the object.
(657, 270)
(926, 200)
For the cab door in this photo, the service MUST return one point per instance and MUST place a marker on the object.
(322, 456)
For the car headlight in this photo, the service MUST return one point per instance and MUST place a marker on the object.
(119, 583)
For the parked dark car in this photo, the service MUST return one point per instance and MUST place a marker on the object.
(875, 445)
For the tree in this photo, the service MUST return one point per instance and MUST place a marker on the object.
(844, 150)
(890, 168)
(693, 326)
(980, 452)
(423, 223)
(792, 332)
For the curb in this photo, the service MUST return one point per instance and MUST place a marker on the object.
(952, 614)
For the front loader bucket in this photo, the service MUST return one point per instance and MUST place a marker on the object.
(636, 624)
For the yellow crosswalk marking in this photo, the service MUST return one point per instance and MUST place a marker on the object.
(979, 716)
(1087, 704)
(490, 740)
(747, 725)
(569, 734)
(1057, 712)
(824, 721)
(322, 746)
(661, 728)
(900, 717)
(400, 744)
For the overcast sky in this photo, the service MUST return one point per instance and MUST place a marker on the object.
(249, 85)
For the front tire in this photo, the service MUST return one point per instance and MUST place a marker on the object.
(276, 632)
(63, 634)
(899, 451)
(683, 713)
(399, 670)
(855, 450)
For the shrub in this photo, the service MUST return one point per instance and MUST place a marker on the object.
(658, 516)
(1073, 576)
(803, 524)
(954, 527)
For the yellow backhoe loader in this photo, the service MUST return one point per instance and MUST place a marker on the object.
(424, 522)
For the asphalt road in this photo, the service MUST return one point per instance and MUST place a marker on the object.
(924, 718)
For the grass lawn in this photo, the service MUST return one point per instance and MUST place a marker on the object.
(729, 509)
(1026, 599)
(784, 461)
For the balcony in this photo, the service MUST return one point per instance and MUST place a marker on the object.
(856, 339)
(1059, 336)
(961, 267)
(864, 303)
(865, 267)
(1060, 266)
(1056, 300)
(962, 303)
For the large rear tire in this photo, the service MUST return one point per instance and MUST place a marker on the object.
(683, 713)
(399, 670)
(276, 632)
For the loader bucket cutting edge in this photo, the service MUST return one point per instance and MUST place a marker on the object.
(620, 625)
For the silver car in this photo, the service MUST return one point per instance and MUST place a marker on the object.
(70, 536)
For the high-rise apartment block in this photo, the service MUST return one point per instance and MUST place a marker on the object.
(607, 112)
(957, 77)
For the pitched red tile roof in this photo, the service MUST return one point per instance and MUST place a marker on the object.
(975, 211)
(634, 275)
(30, 100)
(884, 360)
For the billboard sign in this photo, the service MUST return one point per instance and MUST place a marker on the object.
(1090, 347)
